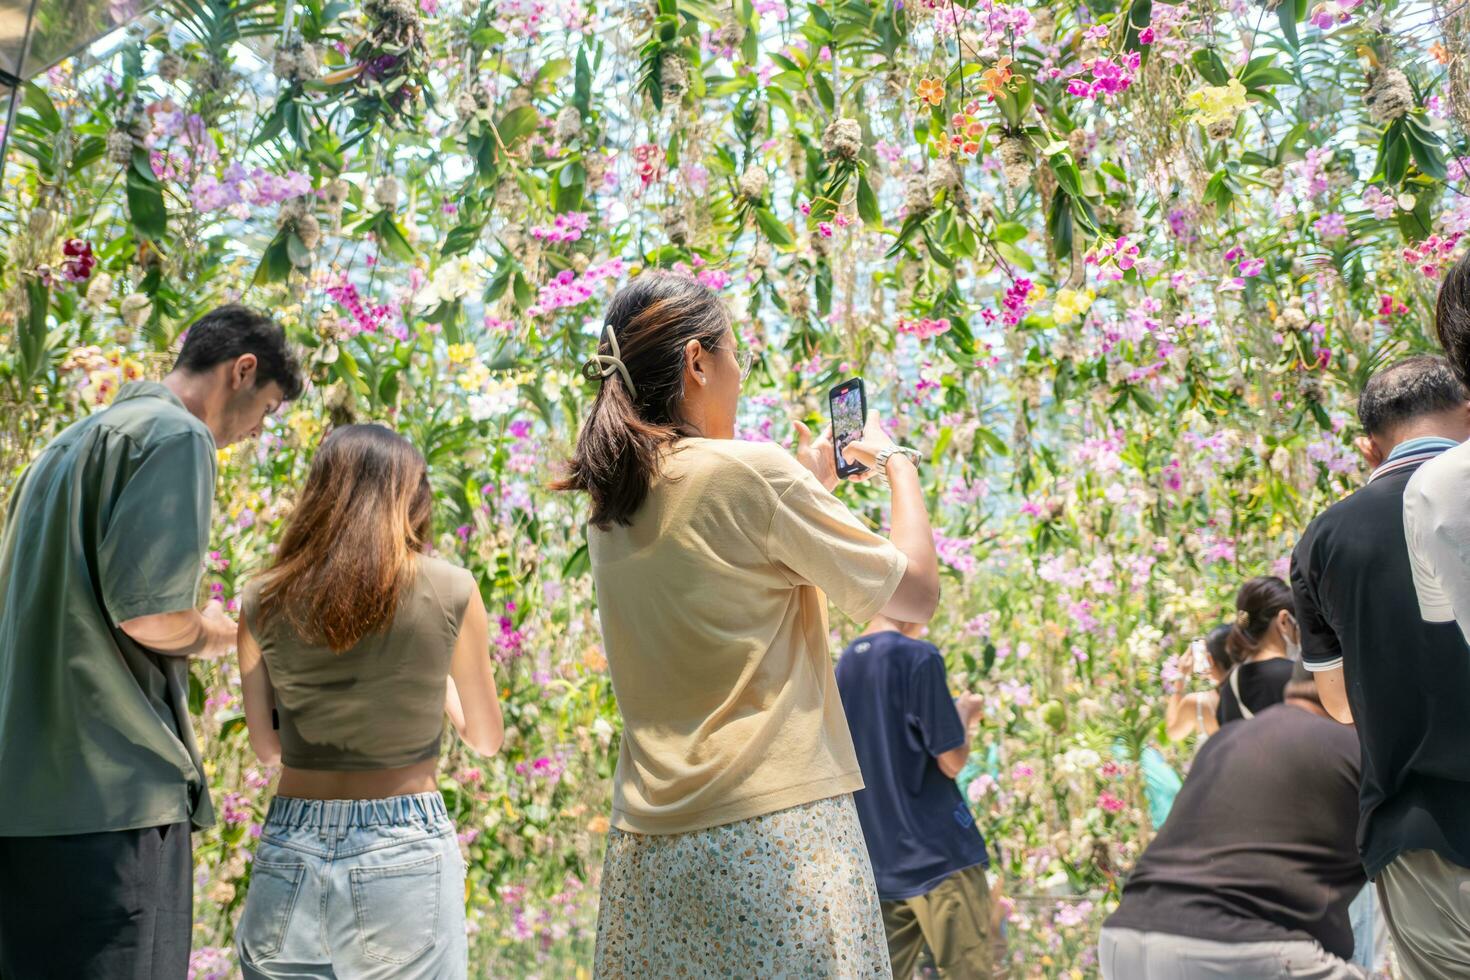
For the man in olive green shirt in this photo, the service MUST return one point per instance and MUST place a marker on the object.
(100, 566)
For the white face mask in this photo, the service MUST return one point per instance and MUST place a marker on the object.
(1293, 644)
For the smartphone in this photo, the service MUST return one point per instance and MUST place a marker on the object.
(1200, 657)
(849, 405)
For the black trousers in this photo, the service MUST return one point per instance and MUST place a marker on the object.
(109, 906)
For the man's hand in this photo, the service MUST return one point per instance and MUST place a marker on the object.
(815, 453)
(970, 706)
(220, 630)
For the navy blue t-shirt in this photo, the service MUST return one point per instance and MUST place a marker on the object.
(918, 827)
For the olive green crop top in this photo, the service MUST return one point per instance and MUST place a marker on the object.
(379, 704)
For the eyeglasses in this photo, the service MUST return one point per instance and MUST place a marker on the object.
(745, 357)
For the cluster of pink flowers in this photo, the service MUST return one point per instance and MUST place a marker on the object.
(542, 768)
(79, 260)
(234, 809)
(565, 227)
(509, 640)
(923, 328)
(715, 279)
(568, 289)
(1382, 205)
(240, 190)
(650, 160)
(1388, 306)
(1072, 914)
(211, 963)
(1110, 803)
(1331, 225)
(364, 319)
(496, 324)
(1331, 13)
(1109, 78)
(826, 228)
(957, 553)
(1016, 302)
(1113, 258)
(1432, 254)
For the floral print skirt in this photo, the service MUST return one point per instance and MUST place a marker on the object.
(783, 895)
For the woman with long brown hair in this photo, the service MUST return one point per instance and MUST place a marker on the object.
(735, 848)
(352, 646)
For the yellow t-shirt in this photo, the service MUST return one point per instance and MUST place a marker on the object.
(715, 627)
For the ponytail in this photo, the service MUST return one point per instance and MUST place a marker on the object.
(640, 365)
(1256, 604)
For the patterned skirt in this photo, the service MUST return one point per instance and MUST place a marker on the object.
(783, 895)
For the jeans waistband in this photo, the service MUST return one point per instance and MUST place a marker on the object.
(343, 815)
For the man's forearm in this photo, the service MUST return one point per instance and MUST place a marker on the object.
(186, 633)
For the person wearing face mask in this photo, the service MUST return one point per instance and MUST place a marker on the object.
(1263, 644)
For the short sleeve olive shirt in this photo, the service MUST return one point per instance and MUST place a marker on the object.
(109, 523)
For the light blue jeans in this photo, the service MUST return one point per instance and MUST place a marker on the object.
(359, 889)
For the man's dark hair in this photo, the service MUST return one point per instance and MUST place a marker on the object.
(1452, 318)
(1407, 390)
(227, 332)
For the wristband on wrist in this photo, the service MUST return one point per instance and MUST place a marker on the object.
(880, 462)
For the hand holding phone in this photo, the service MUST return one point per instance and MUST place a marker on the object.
(849, 404)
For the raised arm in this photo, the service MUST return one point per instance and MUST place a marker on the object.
(917, 595)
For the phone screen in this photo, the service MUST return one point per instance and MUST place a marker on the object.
(849, 411)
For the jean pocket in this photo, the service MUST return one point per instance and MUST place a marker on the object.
(268, 906)
(397, 908)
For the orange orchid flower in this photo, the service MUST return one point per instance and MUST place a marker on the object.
(931, 90)
(993, 80)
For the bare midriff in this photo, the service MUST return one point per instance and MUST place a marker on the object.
(369, 784)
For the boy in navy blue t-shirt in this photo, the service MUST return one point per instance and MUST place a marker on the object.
(928, 858)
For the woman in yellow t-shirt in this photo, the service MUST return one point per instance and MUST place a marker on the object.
(735, 847)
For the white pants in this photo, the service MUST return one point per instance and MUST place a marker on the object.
(1126, 954)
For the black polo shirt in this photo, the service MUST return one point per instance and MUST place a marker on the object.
(1408, 681)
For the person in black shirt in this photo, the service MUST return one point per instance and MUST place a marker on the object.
(1404, 681)
(1252, 874)
(1263, 642)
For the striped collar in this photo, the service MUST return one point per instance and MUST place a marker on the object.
(1411, 453)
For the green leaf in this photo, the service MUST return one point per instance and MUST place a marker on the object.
(391, 240)
(36, 100)
(1286, 17)
(33, 338)
(460, 239)
(146, 211)
(275, 262)
(1207, 62)
(773, 228)
(867, 204)
(1059, 224)
(1067, 174)
(582, 88)
(579, 564)
(297, 251)
(1393, 154)
(1427, 155)
(522, 290)
(518, 123)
